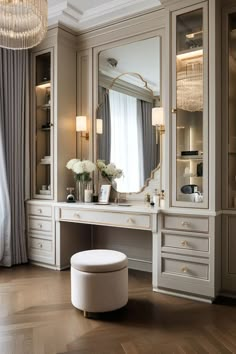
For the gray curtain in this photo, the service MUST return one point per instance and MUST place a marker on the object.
(14, 125)
(104, 140)
(151, 151)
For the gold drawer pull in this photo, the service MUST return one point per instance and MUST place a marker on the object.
(77, 215)
(184, 269)
(174, 110)
(40, 226)
(39, 211)
(184, 243)
(185, 223)
(40, 245)
(130, 221)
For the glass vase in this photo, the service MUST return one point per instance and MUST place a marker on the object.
(80, 188)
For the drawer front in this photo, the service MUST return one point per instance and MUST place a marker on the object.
(39, 224)
(41, 244)
(39, 210)
(40, 250)
(185, 268)
(185, 242)
(128, 220)
(186, 223)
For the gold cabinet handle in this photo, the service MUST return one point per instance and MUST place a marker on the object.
(40, 226)
(184, 270)
(185, 223)
(40, 211)
(184, 243)
(174, 110)
(40, 245)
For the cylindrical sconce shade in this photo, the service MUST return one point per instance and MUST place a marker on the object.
(157, 116)
(81, 123)
(99, 127)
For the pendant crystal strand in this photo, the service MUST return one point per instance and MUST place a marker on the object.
(23, 23)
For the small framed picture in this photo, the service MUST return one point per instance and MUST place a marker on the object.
(104, 193)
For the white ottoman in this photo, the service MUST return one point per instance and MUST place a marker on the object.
(99, 280)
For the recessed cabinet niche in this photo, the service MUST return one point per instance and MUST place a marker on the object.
(43, 126)
(189, 110)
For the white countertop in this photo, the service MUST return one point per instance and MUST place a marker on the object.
(123, 207)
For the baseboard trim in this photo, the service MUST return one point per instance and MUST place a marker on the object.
(185, 296)
(138, 264)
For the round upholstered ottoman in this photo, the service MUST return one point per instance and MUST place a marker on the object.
(99, 280)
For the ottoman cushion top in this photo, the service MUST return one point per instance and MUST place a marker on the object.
(99, 261)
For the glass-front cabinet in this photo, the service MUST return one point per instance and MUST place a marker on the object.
(42, 126)
(231, 104)
(190, 108)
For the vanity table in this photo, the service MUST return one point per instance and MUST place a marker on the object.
(133, 216)
(58, 230)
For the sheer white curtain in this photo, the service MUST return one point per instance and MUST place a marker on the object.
(5, 218)
(126, 146)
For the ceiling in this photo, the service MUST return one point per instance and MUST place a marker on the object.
(81, 15)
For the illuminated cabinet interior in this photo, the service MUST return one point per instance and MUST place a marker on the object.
(43, 127)
(189, 111)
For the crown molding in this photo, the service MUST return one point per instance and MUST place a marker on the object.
(75, 18)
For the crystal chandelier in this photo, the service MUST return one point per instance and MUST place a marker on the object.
(190, 86)
(23, 23)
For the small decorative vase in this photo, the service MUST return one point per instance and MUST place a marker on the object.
(80, 188)
(113, 193)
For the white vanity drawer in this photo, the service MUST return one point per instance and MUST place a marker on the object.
(40, 210)
(185, 268)
(40, 250)
(41, 244)
(128, 220)
(39, 224)
(185, 242)
(186, 223)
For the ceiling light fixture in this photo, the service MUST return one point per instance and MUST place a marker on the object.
(23, 23)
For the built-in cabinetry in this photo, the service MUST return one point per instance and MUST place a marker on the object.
(40, 227)
(189, 255)
(191, 239)
(42, 124)
(53, 143)
(189, 107)
(229, 147)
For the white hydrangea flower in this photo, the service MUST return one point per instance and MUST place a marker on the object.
(78, 167)
(101, 164)
(70, 163)
(110, 171)
(88, 166)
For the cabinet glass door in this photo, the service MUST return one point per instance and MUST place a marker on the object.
(190, 117)
(43, 127)
(231, 111)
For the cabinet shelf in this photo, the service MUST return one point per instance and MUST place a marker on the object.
(45, 162)
(190, 53)
(192, 176)
(45, 106)
(189, 157)
(46, 83)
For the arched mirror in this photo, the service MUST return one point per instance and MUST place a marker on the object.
(128, 89)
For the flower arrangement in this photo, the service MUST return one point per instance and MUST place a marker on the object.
(81, 169)
(109, 171)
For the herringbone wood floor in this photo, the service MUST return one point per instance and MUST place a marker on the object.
(36, 317)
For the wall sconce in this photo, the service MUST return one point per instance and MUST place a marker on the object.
(158, 121)
(99, 126)
(81, 127)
